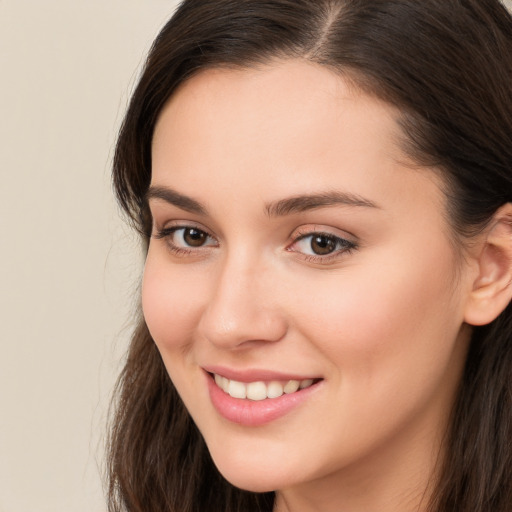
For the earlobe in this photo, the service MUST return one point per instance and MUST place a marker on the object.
(492, 289)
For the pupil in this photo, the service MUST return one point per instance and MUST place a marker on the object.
(194, 237)
(322, 245)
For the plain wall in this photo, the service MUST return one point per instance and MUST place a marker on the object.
(68, 266)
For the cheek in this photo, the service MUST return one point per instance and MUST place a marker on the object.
(384, 318)
(388, 336)
(170, 303)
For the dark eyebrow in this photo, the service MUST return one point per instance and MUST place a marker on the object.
(175, 198)
(303, 203)
(295, 204)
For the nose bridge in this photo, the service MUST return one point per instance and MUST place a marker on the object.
(240, 307)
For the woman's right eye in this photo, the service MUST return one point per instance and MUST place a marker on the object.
(185, 239)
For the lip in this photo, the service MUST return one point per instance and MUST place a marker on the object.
(254, 375)
(251, 413)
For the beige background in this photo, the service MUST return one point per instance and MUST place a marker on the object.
(68, 267)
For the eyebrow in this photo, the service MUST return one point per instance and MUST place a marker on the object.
(303, 203)
(175, 198)
(288, 206)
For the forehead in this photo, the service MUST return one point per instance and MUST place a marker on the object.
(279, 130)
(268, 95)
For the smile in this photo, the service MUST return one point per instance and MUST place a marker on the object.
(260, 390)
(255, 398)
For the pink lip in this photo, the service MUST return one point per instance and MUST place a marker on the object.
(251, 413)
(254, 375)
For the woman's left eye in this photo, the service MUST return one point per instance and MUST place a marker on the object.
(321, 245)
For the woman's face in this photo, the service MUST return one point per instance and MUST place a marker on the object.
(293, 246)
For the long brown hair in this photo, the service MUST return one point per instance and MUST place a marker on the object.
(447, 65)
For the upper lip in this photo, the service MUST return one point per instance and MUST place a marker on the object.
(255, 374)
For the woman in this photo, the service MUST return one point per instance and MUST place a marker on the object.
(324, 190)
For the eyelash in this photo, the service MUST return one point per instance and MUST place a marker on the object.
(342, 245)
(168, 233)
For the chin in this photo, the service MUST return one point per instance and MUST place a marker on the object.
(251, 480)
(251, 476)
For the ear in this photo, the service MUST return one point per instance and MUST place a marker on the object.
(492, 288)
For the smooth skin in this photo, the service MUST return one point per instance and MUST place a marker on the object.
(361, 285)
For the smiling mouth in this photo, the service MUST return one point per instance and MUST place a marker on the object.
(261, 390)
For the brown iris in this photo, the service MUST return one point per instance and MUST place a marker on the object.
(194, 237)
(321, 244)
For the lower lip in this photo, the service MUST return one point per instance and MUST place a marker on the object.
(253, 413)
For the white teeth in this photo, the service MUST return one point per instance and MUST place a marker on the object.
(305, 383)
(259, 390)
(222, 382)
(237, 389)
(274, 390)
(256, 391)
(291, 386)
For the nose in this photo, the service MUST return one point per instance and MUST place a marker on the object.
(242, 309)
